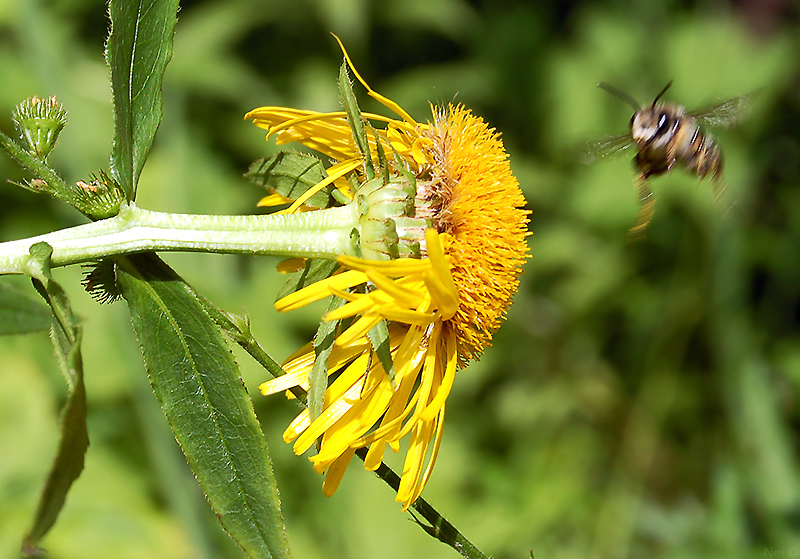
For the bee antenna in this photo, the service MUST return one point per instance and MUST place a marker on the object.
(663, 91)
(621, 95)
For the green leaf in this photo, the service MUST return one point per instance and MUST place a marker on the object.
(74, 440)
(196, 379)
(291, 174)
(138, 50)
(20, 314)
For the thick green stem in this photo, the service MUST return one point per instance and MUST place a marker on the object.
(320, 234)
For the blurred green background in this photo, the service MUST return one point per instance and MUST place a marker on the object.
(640, 401)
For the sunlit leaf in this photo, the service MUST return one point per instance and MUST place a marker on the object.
(196, 379)
(138, 50)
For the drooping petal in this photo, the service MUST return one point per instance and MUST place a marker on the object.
(442, 309)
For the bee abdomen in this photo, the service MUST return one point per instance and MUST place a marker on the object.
(701, 155)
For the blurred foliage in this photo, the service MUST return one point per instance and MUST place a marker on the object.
(641, 401)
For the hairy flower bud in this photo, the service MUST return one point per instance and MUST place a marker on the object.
(39, 121)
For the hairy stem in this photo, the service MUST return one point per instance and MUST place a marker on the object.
(320, 234)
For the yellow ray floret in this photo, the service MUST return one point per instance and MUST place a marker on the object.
(362, 407)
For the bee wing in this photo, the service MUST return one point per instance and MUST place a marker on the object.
(607, 146)
(726, 113)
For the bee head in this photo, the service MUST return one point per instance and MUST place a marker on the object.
(654, 125)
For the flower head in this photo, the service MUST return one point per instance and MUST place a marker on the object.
(440, 308)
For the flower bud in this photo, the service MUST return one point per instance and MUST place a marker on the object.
(99, 197)
(39, 122)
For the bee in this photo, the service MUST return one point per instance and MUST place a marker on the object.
(665, 134)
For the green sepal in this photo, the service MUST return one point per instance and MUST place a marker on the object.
(291, 174)
(352, 180)
(350, 105)
(73, 437)
(196, 380)
(383, 164)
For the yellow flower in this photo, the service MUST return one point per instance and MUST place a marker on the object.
(442, 309)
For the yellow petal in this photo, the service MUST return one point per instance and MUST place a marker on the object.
(440, 283)
(326, 420)
(336, 472)
(291, 265)
(434, 454)
(273, 200)
(341, 171)
(392, 268)
(408, 317)
(358, 303)
(412, 467)
(408, 297)
(320, 290)
(297, 426)
(388, 103)
(283, 382)
(358, 329)
(443, 389)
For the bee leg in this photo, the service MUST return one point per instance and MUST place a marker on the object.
(648, 201)
(722, 197)
(719, 189)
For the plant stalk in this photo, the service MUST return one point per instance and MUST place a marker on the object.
(320, 234)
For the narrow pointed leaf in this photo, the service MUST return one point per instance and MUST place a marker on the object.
(323, 346)
(138, 50)
(379, 340)
(383, 164)
(74, 439)
(350, 105)
(194, 376)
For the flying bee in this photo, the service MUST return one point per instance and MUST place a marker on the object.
(665, 134)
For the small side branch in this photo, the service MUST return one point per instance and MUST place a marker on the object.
(437, 526)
